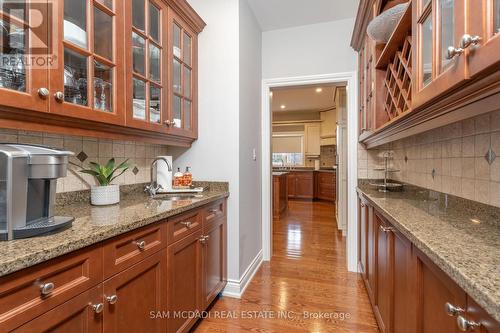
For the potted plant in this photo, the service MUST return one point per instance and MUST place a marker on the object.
(105, 193)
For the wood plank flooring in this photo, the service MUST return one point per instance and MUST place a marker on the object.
(306, 278)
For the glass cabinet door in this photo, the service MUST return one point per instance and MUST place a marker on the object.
(483, 22)
(182, 80)
(24, 62)
(146, 70)
(89, 73)
(439, 61)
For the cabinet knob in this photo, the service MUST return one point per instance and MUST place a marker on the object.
(187, 224)
(213, 211)
(47, 288)
(466, 325)
(112, 299)
(452, 51)
(468, 40)
(452, 310)
(386, 229)
(98, 307)
(167, 122)
(141, 245)
(59, 96)
(43, 93)
(203, 239)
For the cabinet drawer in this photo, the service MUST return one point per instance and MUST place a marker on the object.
(183, 225)
(214, 211)
(127, 250)
(21, 294)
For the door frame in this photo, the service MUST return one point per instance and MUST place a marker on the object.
(352, 153)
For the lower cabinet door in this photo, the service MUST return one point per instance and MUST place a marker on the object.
(434, 290)
(371, 256)
(214, 260)
(134, 296)
(477, 320)
(384, 269)
(305, 185)
(404, 286)
(184, 279)
(77, 315)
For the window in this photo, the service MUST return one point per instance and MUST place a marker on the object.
(283, 159)
(288, 149)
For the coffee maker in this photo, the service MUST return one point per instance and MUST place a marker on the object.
(28, 180)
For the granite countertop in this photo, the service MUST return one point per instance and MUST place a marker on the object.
(460, 236)
(94, 224)
(280, 173)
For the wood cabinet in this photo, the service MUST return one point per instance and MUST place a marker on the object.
(312, 138)
(112, 69)
(184, 279)
(438, 26)
(483, 21)
(214, 260)
(408, 292)
(147, 274)
(78, 315)
(384, 267)
(280, 195)
(439, 65)
(325, 185)
(301, 185)
(131, 295)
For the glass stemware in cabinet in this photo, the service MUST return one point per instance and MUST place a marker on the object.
(155, 104)
(75, 77)
(139, 99)
(103, 87)
(12, 69)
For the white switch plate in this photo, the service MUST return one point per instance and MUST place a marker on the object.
(254, 154)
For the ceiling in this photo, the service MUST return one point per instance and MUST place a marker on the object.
(303, 98)
(280, 14)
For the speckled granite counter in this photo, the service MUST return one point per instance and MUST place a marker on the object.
(94, 224)
(460, 236)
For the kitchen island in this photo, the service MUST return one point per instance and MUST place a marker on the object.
(280, 194)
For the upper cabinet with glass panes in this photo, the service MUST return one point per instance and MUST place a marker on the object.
(105, 62)
(183, 85)
(148, 68)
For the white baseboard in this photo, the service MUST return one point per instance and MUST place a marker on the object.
(236, 288)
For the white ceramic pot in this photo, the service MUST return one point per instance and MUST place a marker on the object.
(104, 195)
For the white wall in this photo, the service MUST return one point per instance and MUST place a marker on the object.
(229, 86)
(308, 50)
(250, 136)
(214, 156)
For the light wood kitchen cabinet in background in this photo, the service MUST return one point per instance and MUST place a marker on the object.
(312, 138)
(328, 127)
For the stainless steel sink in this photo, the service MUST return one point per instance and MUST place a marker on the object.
(176, 197)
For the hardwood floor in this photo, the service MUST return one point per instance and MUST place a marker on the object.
(307, 274)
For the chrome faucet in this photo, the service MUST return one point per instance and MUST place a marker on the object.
(153, 187)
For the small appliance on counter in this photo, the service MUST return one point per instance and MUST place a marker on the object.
(28, 181)
(165, 179)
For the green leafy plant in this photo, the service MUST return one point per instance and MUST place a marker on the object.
(105, 174)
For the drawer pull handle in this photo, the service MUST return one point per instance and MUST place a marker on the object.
(452, 310)
(466, 325)
(59, 96)
(141, 245)
(98, 307)
(203, 239)
(47, 288)
(213, 211)
(386, 229)
(187, 224)
(112, 299)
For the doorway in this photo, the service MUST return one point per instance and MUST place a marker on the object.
(349, 202)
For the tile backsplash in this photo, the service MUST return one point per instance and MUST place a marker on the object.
(140, 156)
(450, 159)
